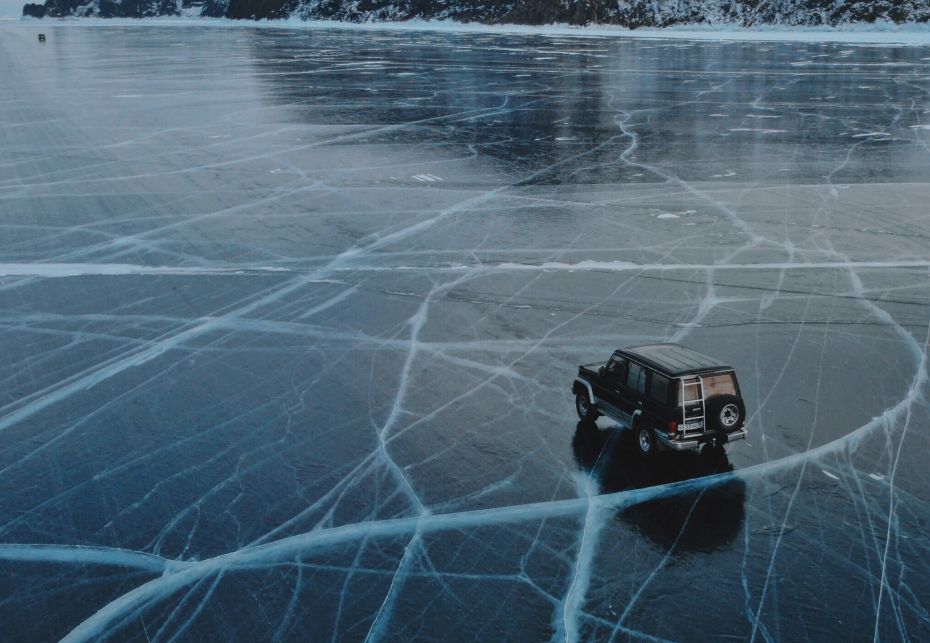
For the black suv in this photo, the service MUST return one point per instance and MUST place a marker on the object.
(671, 396)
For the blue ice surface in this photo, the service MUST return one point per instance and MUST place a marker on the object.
(290, 318)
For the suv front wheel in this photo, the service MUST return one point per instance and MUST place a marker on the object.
(587, 412)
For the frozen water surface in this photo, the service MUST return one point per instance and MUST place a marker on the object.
(289, 320)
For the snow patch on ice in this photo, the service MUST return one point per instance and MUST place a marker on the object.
(54, 270)
(756, 129)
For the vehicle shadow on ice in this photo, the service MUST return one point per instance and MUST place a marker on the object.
(704, 519)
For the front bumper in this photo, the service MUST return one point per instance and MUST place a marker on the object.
(716, 437)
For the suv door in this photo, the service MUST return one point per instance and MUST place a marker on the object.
(634, 388)
(608, 387)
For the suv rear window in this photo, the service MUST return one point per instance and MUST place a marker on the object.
(691, 392)
(721, 384)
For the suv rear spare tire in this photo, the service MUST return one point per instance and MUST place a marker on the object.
(725, 413)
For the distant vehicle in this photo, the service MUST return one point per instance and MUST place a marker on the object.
(41, 37)
(672, 397)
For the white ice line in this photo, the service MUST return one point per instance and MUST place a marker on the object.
(568, 627)
(55, 270)
(622, 266)
(59, 270)
(81, 555)
(628, 266)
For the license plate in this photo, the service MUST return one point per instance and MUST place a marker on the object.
(691, 426)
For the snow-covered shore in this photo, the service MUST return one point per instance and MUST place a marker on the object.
(876, 33)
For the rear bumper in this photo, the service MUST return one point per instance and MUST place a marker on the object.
(696, 442)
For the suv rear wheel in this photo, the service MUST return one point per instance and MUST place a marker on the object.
(645, 440)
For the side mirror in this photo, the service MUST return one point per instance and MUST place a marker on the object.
(600, 371)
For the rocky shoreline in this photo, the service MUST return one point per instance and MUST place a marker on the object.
(630, 14)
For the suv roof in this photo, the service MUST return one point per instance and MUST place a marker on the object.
(674, 360)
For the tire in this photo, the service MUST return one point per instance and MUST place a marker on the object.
(725, 413)
(645, 439)
(587, 412)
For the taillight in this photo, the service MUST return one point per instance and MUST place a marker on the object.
(672, 429)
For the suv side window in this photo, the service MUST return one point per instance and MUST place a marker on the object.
(658, 388)
(636, 379)
(616, 367)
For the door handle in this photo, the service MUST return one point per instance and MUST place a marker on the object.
(639, 402)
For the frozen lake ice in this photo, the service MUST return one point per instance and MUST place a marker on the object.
(290, 319)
